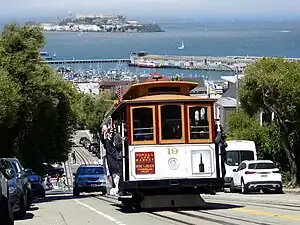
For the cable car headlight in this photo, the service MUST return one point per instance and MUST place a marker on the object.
(173, 163)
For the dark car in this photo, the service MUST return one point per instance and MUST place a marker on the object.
(37, 188)
(86, 143)
(6, 213)
(82, 139)
(93, 147)
(53, 171)
(89, 178)
(19, 189)
(80, 126)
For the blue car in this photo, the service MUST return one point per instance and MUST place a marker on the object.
(89, 178)
(37, 188)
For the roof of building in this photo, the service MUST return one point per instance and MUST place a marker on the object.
(231, 79)
(227, 102)
(231, 92)
(155, 75)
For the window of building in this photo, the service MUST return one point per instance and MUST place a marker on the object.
(171, 122)
(199, 122)
(143, 124)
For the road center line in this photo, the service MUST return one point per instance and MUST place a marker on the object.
(100, 213)
(263, 213)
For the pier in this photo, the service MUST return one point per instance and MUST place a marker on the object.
(206, 63)
(85, 61)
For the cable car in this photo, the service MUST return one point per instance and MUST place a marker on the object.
(173, 148)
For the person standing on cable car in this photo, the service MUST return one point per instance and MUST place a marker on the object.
(103, 141)
(112, 156)
(117, 141)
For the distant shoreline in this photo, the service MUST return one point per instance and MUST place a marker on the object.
(78, 32)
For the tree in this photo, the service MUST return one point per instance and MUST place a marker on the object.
(91, 110)
(274, 85)
(9, 98)
(266, 136)
(40, 108)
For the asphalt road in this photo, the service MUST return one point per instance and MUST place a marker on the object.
(60, 208)
(225, 208)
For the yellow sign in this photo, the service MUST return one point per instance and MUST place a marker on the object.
(172, 151)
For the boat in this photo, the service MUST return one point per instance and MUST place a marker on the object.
(47, 56)
(182, 46)
(146, 65)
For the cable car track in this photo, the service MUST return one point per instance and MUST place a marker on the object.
(81, 157)
(269, 204)
(113, 200)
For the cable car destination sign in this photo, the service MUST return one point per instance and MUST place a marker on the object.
(144, 163)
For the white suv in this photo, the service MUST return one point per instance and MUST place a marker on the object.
(256, 175)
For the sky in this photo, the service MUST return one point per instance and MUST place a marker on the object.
(155, 9)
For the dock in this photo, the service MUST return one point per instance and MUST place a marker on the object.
(206, 63)
(85, 61)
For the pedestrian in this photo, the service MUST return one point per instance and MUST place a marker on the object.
(64, 182)
(48, 181)
(74, 157)
(57, 179)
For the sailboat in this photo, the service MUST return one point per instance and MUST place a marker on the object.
(182, 46)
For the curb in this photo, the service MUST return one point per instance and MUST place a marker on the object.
(291, 191)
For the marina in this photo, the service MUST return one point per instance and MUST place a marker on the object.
(85, 61)
(236, 64)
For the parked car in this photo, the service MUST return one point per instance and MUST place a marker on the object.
(37, 188)
(80, 126)
(19, 189)
(82, 139)
(6, 213)
(256, 175)
(52, 170)
(93, 147)
(89, 178)
(86, 143)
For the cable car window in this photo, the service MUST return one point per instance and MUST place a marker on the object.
(171, 122)
(199, 124)
(142, 124)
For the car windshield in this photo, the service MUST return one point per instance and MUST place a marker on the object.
(262, 166)
(234, 158)
(90, 170)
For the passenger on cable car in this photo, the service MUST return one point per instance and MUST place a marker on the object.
(113, 160)
(102, 138)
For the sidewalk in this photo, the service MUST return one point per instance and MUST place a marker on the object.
(291, 190)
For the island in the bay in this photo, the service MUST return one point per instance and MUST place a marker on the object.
(100, 23)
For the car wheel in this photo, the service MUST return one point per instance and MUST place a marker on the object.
(28, 199)
(127, 206)
(104, 192)
(244, 188)
(6, 214)
(20, 214)
(76, 192)
(232, 187)
(266, 191)
(43, 194)
(279, 191)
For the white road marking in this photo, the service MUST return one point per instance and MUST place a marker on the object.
(100, 213)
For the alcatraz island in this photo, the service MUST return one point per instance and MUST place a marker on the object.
(99, 23)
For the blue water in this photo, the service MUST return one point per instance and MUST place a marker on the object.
(213, 39)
